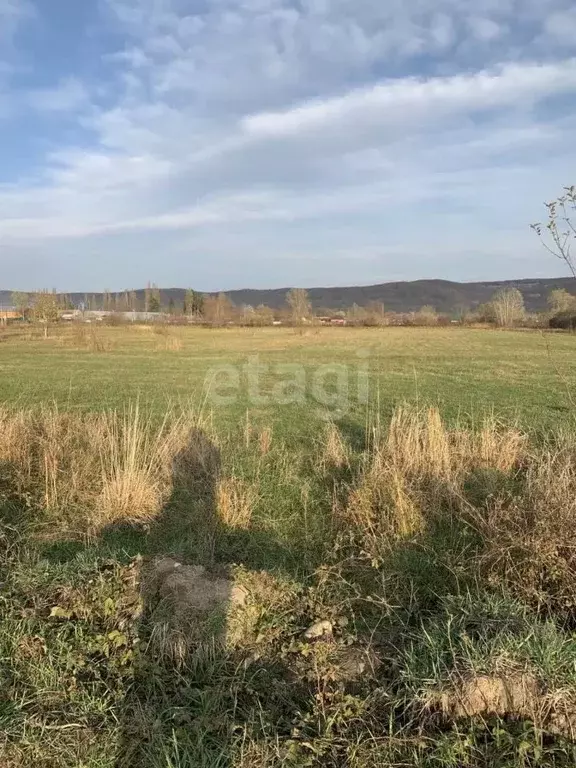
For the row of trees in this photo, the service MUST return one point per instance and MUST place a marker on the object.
(506, 309)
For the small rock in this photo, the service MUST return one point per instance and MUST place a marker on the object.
(319, 629)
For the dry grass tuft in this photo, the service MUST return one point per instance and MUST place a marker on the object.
(528, 538)
(419, 468)
(520, 502)
(88, 337)
(235, 501)
(495, 447)
(87, 471)
(165, 338)
(382, 505)
(265, 440)
(170, 344)
(421, 444)
(335, 453)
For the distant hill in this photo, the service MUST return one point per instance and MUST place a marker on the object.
(445, 296)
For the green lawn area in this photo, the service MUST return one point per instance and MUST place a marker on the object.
(406, 592)
(517, 374)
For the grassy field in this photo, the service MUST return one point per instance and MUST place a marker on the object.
(463, 371)
(356, 582)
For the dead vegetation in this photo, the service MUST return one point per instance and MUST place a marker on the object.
(84, 472)
(335, 454)
(419, 467)
(167, 339)
(527, 536)
(432, 628)
(235, 501)
(88, 337)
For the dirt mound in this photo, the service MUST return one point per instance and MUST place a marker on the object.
(187, 605)
(517, 696)
(191, 587)
(494, 695)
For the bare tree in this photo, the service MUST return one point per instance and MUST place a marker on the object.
(123, 304)
(375, 314)
(218, 309)
(560, 300)
(508, 307)
(298, 301)
(264, 315)
(356, 315)
(426, 315)
(559, 233)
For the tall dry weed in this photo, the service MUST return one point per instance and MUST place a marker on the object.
(166, 339)
(235, 502)
(529, 536)
(89, 337)
(335, 451)
(418, 468)
(265, 440)
(87, 471)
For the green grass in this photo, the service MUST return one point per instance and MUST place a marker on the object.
(465, 371)
(430, 572)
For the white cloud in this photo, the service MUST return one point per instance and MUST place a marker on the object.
(68, 96)
(245, 127)
(511, 85)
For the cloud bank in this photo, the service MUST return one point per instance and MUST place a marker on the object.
(268, 142)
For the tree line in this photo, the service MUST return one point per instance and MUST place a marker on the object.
(505, 310)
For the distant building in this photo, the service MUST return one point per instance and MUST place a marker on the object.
(98, 315)
(332, 320)
(10, 315)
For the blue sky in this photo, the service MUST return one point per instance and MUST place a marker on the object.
(261, 143)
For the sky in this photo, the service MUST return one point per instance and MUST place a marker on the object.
(220, 144)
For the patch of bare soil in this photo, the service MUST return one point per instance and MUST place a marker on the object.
(516, 695)
(499, 695)
(187, 604)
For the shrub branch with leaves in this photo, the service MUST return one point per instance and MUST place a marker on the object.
(559, 233)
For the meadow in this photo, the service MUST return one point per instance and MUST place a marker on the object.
(463, 371)
(286, 574)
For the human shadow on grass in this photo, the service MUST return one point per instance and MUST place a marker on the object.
(190, 693)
